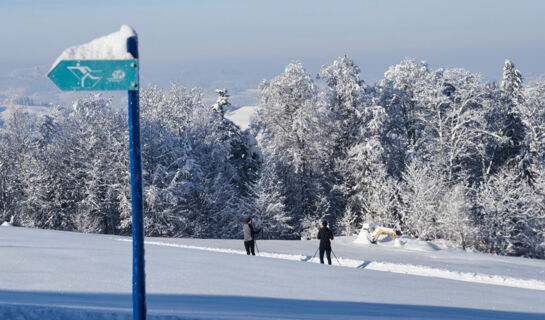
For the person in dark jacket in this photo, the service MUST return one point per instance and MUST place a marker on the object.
(249, 232)
(325, 235)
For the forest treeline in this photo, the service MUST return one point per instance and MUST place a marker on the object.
(435, 154)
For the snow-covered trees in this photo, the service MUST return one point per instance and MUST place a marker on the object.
(431, 153)
(167, 183)
(270, 207)
(17, 137)
(76, 172)
(421, 193)
(430, 208)
(403, 133)
(447, 135)
(104, 166)
(506, 123)
(290, 133)
(452, 120)
(222, 102)
(434, 116)
(511, 215)
(69, 170)
(532, 116)
(199, 166)
(353, 126)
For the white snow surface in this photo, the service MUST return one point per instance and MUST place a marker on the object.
(64, 275)
(242, 116)
(109, 47)
(363, 237)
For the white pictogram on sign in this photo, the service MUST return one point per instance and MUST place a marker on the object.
(85, 73)
(117, 76)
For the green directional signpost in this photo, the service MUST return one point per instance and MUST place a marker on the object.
(75, 75)
(99, 75)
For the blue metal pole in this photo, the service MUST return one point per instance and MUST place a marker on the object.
(138, 274)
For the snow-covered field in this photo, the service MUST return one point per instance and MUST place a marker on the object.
(63, 275)
(242, 116)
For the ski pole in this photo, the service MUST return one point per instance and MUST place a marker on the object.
(336, 257)
(314, 255)
(255, 241)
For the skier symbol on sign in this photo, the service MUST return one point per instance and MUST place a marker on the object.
(83, 73)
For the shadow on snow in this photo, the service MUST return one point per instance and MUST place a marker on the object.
(75, 306)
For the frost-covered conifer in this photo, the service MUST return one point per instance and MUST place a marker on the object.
(222, 102)
(509, 127)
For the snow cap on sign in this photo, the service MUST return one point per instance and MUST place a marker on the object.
(110, 47)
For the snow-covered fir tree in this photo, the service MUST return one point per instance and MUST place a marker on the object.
(222, 102)
(506, 122)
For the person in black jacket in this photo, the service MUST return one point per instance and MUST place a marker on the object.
(249, 232)
(325, 235)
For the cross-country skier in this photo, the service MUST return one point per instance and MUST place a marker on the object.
(325, 235)
(249, 232)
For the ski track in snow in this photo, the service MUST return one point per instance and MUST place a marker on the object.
(410, 269)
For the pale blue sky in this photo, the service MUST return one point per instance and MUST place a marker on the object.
(238, 43)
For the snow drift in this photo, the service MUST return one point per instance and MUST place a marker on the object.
(109, 47)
